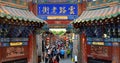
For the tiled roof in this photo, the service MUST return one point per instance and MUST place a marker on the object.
(90, 15)
(20, 14)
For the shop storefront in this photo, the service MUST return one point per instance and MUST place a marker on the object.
(17, 34)
(100, 35)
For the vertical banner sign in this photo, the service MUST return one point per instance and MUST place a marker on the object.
(58, 10)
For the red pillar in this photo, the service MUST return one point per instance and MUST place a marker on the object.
(0, 55)
(35, 55)
(30, 48)
(81, 7)
(84, 6)
(32, 7)
(83, 41)
(116, 53)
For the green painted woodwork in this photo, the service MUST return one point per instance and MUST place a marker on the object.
(9, 16)
(2, 14)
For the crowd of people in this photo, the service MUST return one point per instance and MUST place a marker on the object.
(57, 51)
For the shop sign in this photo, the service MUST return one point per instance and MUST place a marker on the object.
(98, 43)
(99, 51)
(14, 51)
(69, 11)
(57, 9)
(16, 43)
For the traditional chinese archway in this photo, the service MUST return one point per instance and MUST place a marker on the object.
(58, 15)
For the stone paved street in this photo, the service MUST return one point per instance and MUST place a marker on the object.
(66, 61)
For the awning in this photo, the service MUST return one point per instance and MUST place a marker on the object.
(90, 15)
(20, 14)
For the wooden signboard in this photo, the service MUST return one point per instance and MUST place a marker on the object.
(14, 51)
(101, 52)
(13, 54)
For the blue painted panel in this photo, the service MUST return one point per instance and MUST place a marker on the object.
(97, 39)
(108, 40)
(115, 40)
(89, 39)
(42, 17)
(57, 9)
(1, 40)
(118, 39)
(89, 43)
(108, 44)
(25, 43)
(5, 44)
(72, 17)
(4, 39)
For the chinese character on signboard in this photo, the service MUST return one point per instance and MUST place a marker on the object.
(72, 9)
(62, 10)
(45, 10)
(54, 10)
